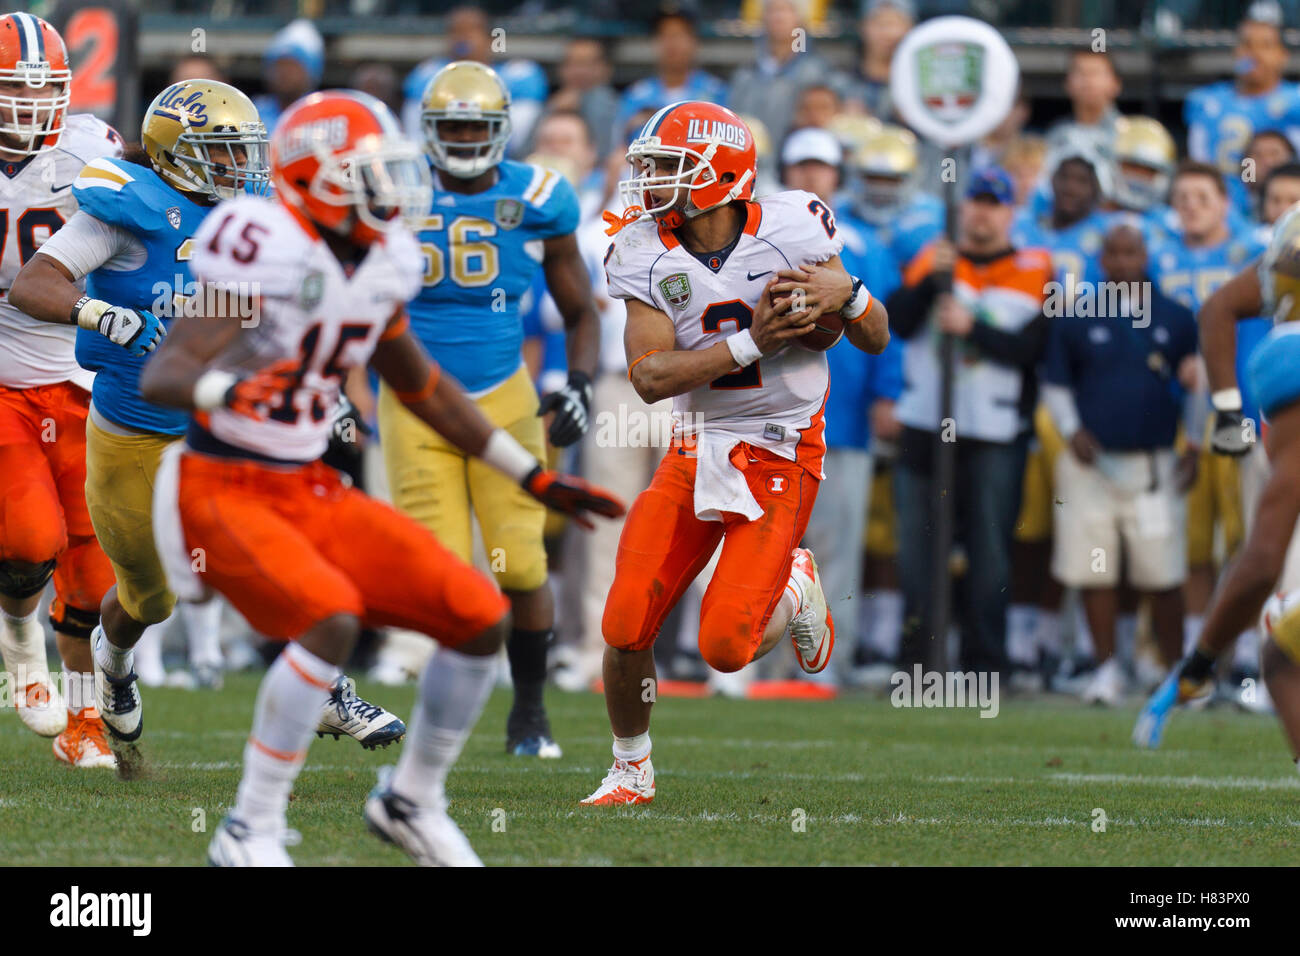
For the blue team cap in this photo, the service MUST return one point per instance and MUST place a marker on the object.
(992, 181)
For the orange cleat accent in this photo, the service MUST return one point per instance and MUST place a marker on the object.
(83, 744)
(627, 783)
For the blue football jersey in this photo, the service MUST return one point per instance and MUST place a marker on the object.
(1192, 275)
(481, 254)
(1220, 122)
(921, 220)
(1075, 250)
(163, 219)
(1274, 369)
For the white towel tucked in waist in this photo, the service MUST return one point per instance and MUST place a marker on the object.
(719, 485)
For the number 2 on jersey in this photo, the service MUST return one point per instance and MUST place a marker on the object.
(738, 312)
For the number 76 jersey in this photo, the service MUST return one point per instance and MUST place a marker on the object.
(309, 308)
(777, 403)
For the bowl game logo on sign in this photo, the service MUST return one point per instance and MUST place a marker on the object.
(676, 289)
(949, 74)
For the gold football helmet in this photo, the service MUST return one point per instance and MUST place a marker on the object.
(469, 92)
(854, 129)
(1144, 162)
(885, 166)
(206, 137)
(1279, 269)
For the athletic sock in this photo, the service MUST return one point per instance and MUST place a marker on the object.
(453, 689)
(885, 623)
(203, 632)
(22, 644)
(1192, 625)
(148, 656)
(527, 653)
(1022, 623)
(632, 749)
(1047, 636)
(79, 690)
(288, 708)
(111, 658)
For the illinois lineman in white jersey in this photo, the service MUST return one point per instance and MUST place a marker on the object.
(45, 530)
(714, 285)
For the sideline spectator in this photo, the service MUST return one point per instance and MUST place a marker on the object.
(292, 67)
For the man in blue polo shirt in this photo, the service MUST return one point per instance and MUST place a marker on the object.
(1113, 383)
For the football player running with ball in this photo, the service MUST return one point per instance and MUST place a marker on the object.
(304, 557)
(718, 290)
(494, 224)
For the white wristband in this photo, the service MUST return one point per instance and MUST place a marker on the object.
(211, 388)
(507, 456)
(89, 312)
(857, 305)
(1226, 400)
(743, 349)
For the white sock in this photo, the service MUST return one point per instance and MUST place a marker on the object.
(1082, 633)
(1245, 653)
(1192, 625)
(1022, 622)
(632, 749)
(111, 658)
(1048, 633)
(1126, 628)
(79, 690)
(148, 654)
(22, 644)
(453, 689)
(203, 632)
(288, 709)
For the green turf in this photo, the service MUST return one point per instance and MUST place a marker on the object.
(875, 784)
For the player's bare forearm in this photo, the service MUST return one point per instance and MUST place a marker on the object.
(44, 289)
(570, 287)
(406, 369)
(185, 354)
(870, 333)
(1253, 574)
(675, 372)
(1238, 298)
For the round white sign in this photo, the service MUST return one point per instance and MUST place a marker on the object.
(953, 79)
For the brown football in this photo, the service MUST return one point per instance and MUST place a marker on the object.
(828, 330)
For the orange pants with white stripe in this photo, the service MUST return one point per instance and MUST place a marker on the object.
(43, 514)
(292, 546)
(664, 546)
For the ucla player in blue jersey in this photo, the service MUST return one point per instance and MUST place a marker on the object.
(131, 242)
(1221, 118)
(493, 222)
(1270, 559)
(887, 199)
(1144, 161)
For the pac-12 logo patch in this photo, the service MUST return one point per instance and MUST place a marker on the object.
(174, 216)
(509, 213)
(676, 289)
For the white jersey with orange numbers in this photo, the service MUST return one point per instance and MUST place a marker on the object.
(777, 403)
(310, 308)
(35, 201)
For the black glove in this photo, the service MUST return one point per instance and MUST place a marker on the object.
(571, 405)
(1230, 435)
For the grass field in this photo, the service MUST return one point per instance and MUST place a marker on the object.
(876, 785)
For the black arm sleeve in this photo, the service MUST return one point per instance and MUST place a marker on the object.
(909, 306)
(1023, 349)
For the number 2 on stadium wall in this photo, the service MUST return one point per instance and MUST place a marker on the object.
(473, 264)
(738, 312)
(28, 223)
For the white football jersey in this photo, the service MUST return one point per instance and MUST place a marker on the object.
(778, 402)
(35, 201)
(310, 309)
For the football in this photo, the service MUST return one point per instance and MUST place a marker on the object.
(828, 330)
(1279, 605)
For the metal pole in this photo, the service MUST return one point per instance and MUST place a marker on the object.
(945, 461)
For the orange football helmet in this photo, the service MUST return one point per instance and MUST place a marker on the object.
(707, 142)
(340, 158)
(32, 54)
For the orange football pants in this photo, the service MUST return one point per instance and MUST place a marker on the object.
(43, 512)
(664, 546)
(292, 546)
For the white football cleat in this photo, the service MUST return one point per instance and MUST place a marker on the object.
(40, 706)
(628, 782)
(237, 844)
(117, 698)
(426, 834)
(1107, 685)
(368, 724)
(812, 630)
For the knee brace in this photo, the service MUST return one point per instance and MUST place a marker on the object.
(73, 621)
(22, 579)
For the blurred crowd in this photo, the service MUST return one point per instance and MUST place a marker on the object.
(1091, 516)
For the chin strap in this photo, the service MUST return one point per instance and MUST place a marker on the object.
(616, 222)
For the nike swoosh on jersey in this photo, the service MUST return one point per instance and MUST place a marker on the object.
(757, 275)
(59, 189)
